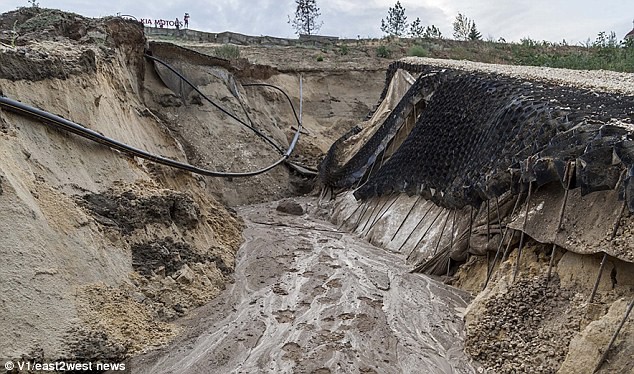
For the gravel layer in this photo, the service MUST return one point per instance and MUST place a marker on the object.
(526, 329)
(600, 80)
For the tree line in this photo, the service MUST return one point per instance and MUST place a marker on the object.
(606, 52)
(305, 21)
(395, 24)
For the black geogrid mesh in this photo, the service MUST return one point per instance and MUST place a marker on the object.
(349, 173)
(477, 128)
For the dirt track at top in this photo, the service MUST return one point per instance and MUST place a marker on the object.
(310, 299)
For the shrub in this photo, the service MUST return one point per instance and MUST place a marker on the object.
(227, 51)
(320, 58)
(344, 50)
(383, 51)
(418, 51)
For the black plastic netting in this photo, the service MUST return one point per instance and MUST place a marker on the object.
(480, 135)
(347, 174)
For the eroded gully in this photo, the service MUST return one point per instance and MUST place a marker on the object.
(310, 299)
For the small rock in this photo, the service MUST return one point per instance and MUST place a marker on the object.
(168, 281)
(178, 308)
(160, 271)
(185, 275)
(139, 297)
(290, 207)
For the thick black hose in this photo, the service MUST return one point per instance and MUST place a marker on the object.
(299, 123)
(66, 125)
(258, 132)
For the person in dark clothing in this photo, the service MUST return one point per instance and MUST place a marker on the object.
(186, 19)
(178, 24)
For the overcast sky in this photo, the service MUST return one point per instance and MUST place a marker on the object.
(552, 20)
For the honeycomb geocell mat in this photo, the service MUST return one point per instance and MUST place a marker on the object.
(479, 135)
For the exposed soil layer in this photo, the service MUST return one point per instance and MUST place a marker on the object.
(128, 211)
(540, 326)
(162, 229)
(33, 38)
(116, 323)
(36, 64)
(101, 251)
(168, 257)
(517, 334)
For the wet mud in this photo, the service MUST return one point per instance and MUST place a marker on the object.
(307, 298)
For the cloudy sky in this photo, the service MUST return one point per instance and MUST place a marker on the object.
(553, 20)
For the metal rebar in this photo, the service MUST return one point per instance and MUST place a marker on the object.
(453, 233)
(442, 231)
(350, 216)
(361, 178)
(371, 214)
(596, 283)
(488, 254)
(381, 215)
(376, 217)
(448, 266)
(552, 261)
(380, 164)
(605, 255)
(502, 237)
(415, 227)
(453, 229)
(568, 176)
(387, 150)
(488, 222)
(508, 245)
(406, 217)
(426, 232)
(366, 206)
(628, 310)
(522, 235)
(470, 229)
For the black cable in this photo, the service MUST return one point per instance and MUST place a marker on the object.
(64, 124)
(290, 102)
(259, 133)
(233, 116)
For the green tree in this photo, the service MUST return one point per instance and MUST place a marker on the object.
(33, 3)
(608, 46)
(396, 22)
(432, 32)
(462, 27)
(606, 40)
(305, 20)
(416, 29)
(474, 34)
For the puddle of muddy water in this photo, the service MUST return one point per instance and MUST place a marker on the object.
(310, 299)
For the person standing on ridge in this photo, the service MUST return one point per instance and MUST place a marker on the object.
(186, 19)
(178, 24)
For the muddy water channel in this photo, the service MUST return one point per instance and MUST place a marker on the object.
(308, 298)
